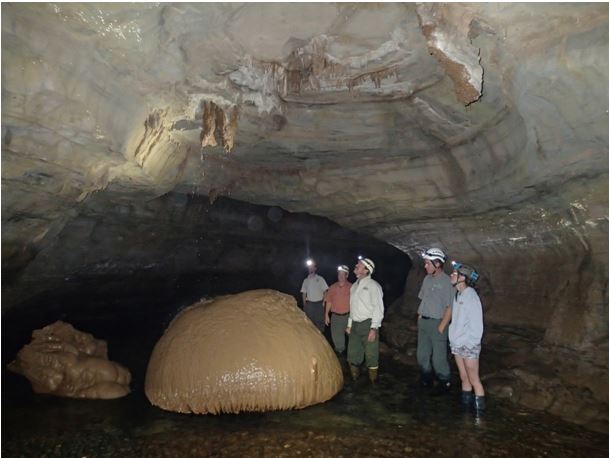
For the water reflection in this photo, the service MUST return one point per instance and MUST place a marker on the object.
(395, 418)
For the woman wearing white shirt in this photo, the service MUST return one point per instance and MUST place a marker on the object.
(465, 332)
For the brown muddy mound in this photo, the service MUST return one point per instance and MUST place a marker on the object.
(63, 361)
(253, 351)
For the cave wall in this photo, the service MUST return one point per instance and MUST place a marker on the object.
(480, 128)
(181, 247)
(122, 269)
(554, 280)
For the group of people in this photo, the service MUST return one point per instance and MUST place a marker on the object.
(353, 309)
(450, 310)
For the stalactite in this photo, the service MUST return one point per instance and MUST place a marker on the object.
(218, 127)
(229, 129)
(208, 124)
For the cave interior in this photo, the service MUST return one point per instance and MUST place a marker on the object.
(157, 154)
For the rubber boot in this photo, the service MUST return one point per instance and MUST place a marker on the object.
(425, 379)
(467, 398)
(479, 403)
(442, 388)
(373, 372)
(355, 371)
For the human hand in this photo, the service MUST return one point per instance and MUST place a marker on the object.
(372, 335)
(327, 320)
(348, 330)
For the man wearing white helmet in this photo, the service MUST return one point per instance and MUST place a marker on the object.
(434, 315)
(337, 308)
(314, 289)
(365, 316)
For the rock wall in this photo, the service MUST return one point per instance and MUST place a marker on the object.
(481, 128)
(185, 247)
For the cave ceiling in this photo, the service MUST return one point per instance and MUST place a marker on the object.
(392, 119)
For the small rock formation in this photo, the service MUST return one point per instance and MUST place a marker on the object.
(63, 361)
(217, 123)
(448, 43)
(253, 351)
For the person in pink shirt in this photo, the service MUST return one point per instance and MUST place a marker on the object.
(337, 308)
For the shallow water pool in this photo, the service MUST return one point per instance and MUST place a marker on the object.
(396, 418)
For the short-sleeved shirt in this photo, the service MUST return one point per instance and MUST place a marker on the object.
(338, 296)
(314, 287)
(436, 294)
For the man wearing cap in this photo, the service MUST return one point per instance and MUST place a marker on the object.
(365, 316)
(313, 290)
(433, 317)
(337, 305)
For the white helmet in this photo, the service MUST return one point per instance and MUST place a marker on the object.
(434, 254)
(369, 264)
(343, 268)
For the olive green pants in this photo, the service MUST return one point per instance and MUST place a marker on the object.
(338, 323)
(359, 348)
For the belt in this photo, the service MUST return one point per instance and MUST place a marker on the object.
(429, 318)
(340, 314)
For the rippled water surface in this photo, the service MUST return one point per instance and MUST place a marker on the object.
(395, 418)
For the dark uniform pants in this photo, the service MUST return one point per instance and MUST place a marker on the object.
(432, 344)
(315, 312)
(359, 348)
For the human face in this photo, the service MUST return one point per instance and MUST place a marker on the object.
(342, 276)
(457, 279)
(454, 277)
(312, 268)
(360, 270)
(429, 266)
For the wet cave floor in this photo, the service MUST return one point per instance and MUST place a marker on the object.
(396, 418)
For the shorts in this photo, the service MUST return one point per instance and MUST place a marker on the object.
(467, 352)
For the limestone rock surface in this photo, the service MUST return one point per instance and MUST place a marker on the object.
(63, 361)
(253, 351)
(481, 128)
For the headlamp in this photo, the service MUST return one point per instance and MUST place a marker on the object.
(309, 263)
(466, 271)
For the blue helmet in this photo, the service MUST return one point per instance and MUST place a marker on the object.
(467, 271)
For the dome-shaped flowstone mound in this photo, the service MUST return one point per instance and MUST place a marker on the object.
(254, 351)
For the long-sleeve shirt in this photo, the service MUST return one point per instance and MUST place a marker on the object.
(466, 328)
(366, 301)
